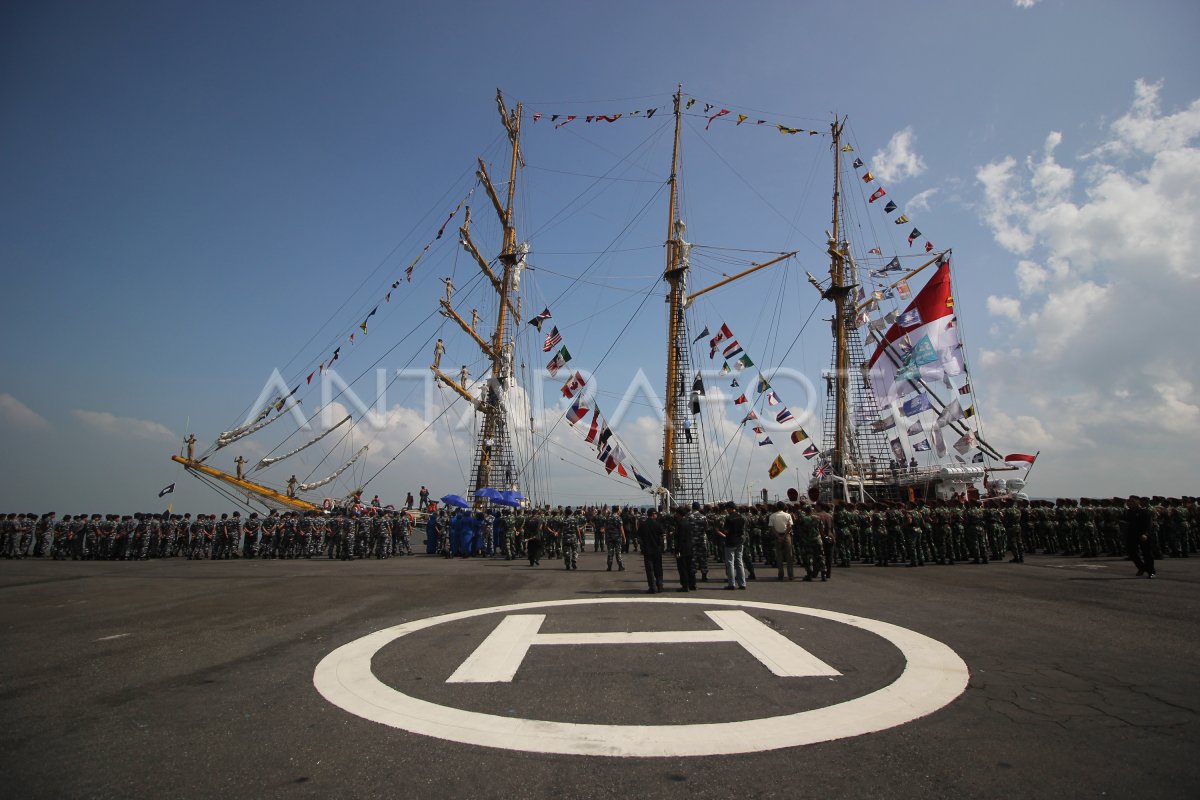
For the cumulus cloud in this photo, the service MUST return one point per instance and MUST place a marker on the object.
(106, 422)
(898, 160)
(1101, 367)
(1025, 3)
(18, 415)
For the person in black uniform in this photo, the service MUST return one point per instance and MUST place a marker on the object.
(684, 550)
(650, 537)
(1138, 542)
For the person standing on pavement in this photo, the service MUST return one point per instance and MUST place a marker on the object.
(614, 537)
(1138, 543)
(650, 539)
(733, 532)
(780, 526)
(683, 550)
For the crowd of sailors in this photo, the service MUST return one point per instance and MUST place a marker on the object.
(815, 536)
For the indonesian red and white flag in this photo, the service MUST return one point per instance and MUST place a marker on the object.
(910, 353)
(1020, 457)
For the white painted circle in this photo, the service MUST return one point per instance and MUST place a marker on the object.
(933, 677)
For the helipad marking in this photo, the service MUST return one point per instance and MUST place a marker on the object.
(499, 657)
(933, 677)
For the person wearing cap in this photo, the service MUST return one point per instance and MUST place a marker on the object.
(684, 547)
(650, 538)
(698, 526)
(571, 524)
(614, 536)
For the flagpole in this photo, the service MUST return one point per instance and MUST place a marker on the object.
(1031, 463)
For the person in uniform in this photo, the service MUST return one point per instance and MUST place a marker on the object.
(240, 463)
(571, 525)
(190, 442)
(614, 537)
(650, 541)
(698, 529)
(684, 550)
(533, 538)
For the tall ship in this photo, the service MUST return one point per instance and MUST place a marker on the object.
(893, 414)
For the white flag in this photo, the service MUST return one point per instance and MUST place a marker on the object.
(951, 413)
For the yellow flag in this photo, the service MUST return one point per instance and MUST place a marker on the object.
(777, 467)
(846, 148)
(868, 177)
(741, 119)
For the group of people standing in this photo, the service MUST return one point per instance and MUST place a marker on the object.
(813, 537)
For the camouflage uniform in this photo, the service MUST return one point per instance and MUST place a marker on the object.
(698, 527)
(613, 539)
(571, 543)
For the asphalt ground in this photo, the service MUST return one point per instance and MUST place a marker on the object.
(196, 679)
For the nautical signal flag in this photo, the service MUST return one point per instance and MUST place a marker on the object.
(777, 467)
(903, 218)
(540, 318)
(810, 452)
(595, 429)
(703, 333)
(965, 388)
(772, 400)
(890, 207)
(577, 411)
(741, 399)
(758, 429)
(928, 246)
(559, 361)
(878, 193)
(799, 436)
(969, 412)
(167, 490)
(858, 162)
(913, 236)
(742, 363)
(573, 385)
(867, 176)
(731, 349)
(642, 482)
(921, 446)
(553, 339)
(784, 416)
(977, 458)
(765, 441)
(904, 290)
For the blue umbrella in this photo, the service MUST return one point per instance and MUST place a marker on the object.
(455, 500)
(512, 499)
(489, 493)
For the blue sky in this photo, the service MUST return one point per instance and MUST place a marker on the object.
(190, 192)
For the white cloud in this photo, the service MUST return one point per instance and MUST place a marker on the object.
(920, 201)
(106, 422)
(1100, 370)
(19, 415)
(1025, 3)
(1009, 307)
(898, 160)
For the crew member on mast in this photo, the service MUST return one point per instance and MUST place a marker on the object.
(438, 349)
(474, 318)
(463, 376)
(190, 441)
(240, 461)
(291, 489)
(449, 288)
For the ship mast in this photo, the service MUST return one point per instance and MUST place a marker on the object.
(675, 276)
(494, 464)
(838, 291)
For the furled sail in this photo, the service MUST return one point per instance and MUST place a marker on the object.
(304, 487)
(229, 437)
(266, 462)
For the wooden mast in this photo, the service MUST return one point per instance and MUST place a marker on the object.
(508, 258)
(674, 276)
(837, 292)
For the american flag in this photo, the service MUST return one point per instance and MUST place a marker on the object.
(553, 339)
